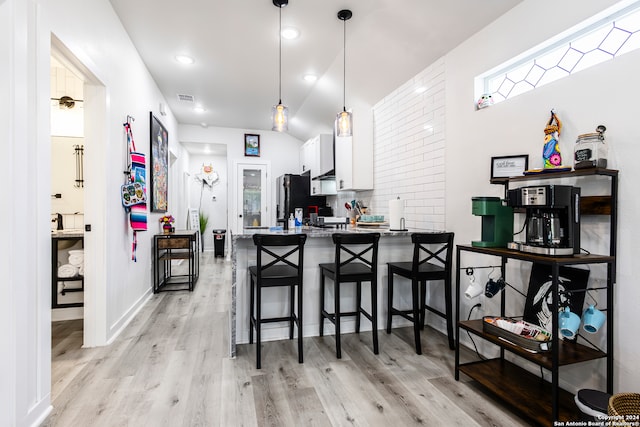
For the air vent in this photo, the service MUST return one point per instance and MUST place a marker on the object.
(186, 98)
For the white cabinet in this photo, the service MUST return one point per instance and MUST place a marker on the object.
(316, 155)
(354, 158)
(306, 156)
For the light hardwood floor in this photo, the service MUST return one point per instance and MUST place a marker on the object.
(170, 367)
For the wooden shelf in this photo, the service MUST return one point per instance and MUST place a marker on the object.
(556, 175)
(524, 391)
(569, 352)
(541, 259)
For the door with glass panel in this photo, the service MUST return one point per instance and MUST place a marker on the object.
(252, 197)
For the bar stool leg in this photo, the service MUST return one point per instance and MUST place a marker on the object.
(251, 307)
(292, 304)
(416, 315)
(321, 328)
(448, 311)
(374, 314)
(423, 303)
(358, 305)
(258, 326)
(299, 322)
(336, 286)
(389, 298)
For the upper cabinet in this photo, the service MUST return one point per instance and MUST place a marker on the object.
(316, 156)
(354, 156)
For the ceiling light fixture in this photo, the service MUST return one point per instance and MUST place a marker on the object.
(310, 78)
(280, 113)
(184, 59)
(290, 33)
(344, 119)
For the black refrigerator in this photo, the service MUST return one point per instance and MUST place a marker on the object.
(293, 191)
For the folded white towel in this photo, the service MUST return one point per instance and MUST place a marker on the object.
(81, 270)
(76, 259)
(67, 270)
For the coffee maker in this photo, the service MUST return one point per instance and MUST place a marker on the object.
(552, 218)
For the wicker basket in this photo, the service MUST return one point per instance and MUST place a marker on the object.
(626, 406)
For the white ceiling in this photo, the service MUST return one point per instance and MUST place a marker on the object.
(235, 47)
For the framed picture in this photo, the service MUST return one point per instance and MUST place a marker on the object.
(509, 166)
(538, 307)
(251, 145)
(159, 165)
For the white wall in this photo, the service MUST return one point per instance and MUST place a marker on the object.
(280, 150)
(409, 150)
(605, 94)
(119, 85)
(211, 200)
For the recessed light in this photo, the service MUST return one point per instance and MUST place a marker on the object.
(204, 125)
(199, 109)
(310, 78)
(290, 33)
(421, 89)
(184, 59)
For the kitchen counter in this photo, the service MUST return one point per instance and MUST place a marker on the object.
(319, 248)
(71, 233)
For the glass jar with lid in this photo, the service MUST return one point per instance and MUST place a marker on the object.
(590, 150)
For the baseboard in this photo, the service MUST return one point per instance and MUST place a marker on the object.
(125, 319)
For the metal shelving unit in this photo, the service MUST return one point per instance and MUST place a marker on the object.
(542, 401)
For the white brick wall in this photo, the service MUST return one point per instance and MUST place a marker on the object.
(409, 150)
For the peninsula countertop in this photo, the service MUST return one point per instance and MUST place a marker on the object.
(393, 246)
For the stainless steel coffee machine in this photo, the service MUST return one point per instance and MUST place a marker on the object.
(552, 218)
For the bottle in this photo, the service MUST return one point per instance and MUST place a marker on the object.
(292, 222)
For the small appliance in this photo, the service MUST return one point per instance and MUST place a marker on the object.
(552, 218)
(497, 222)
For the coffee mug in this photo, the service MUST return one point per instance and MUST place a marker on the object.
(592, 319)
(569, 323)
(493, 287)
(474, 290)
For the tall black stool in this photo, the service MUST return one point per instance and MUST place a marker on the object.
(428, 264)
(356, 260)
(275, 269)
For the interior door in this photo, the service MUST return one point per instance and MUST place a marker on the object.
(252, 196)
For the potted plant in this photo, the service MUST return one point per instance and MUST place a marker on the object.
(204, 220)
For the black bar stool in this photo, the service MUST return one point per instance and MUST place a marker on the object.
(275, 269)
(428, 264)
(358, 264)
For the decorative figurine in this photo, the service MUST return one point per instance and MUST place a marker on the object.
(485, 101)
(551, 152)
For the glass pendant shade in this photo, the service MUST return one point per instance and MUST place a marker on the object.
(344, 123)
(280, 118)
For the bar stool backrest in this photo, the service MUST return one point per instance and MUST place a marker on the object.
(274, 253)
(352, 248)
(441, 256)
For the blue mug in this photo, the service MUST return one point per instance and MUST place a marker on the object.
(569, 323)
(592, 319)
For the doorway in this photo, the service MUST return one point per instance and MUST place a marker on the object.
(92, 214)
(252, 197)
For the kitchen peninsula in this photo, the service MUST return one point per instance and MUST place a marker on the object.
(319, 248)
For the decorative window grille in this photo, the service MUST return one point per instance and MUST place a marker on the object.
(605, 36)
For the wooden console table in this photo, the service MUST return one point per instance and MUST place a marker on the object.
(180, 245)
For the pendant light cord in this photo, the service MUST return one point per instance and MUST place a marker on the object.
(280, 55)
(344, 66)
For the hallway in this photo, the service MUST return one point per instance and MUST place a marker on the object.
(169, 367)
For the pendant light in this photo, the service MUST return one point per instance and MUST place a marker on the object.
(344, 121)
(280, 113)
